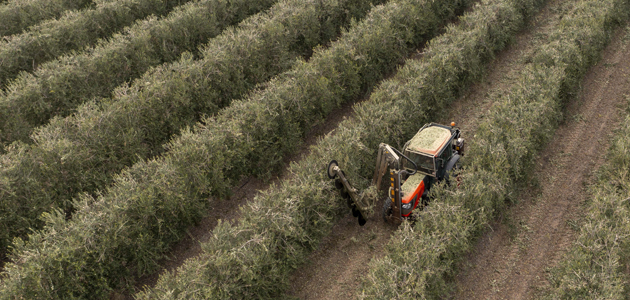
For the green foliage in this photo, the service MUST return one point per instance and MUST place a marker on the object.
(84, 151)
(279, 228)
(74, 31)
(58, 87)
(17, 15)
(519, 123)
(153, 202)
(595, 266)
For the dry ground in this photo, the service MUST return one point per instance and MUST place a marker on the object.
(510, 260)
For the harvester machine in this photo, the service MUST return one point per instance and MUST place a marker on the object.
(429, 157)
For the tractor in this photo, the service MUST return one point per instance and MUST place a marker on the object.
(428, 158)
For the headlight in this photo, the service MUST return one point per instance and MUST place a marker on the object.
(406, 205)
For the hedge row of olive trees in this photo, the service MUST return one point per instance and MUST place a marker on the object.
(96, 254)
(18, 15)
(75, 30)
(122, 232)
(280, 227)
(505, 145)
(58, 87)
(595, 267)
(83, 152)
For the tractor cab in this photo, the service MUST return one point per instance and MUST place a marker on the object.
(432, 153)
(432, 148)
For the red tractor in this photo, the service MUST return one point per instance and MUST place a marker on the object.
(428, 158)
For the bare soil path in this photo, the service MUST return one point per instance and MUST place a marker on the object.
(334, 271)
(510, 260)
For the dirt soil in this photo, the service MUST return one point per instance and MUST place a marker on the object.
(510, 260)
(335, 269)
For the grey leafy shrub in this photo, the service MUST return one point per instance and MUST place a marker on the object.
(18, 15)
(58, 87)
(154, 200)
(74, 31)
(83, 152)
(134, 222)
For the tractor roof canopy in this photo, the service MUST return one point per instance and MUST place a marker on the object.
(430, 140)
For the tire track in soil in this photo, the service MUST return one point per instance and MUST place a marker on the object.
(510, 260)
(334, 271)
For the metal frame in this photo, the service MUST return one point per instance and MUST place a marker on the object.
(421, 169)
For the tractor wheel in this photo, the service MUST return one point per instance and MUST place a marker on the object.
(387, 209)
(452, 167)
